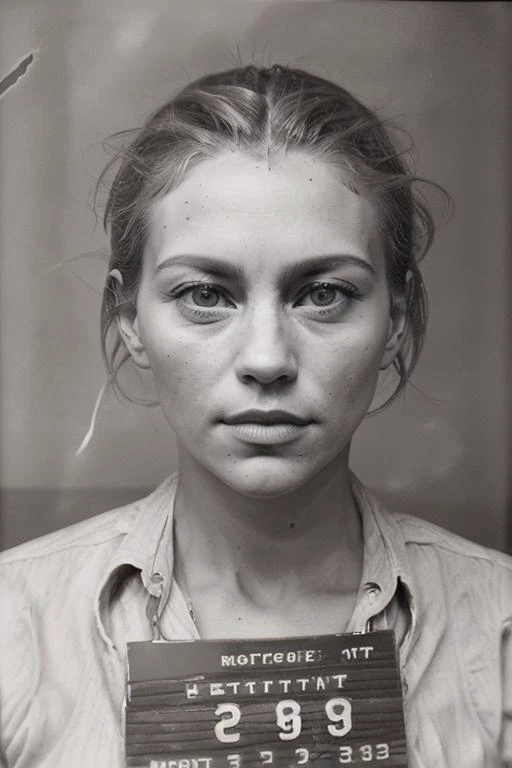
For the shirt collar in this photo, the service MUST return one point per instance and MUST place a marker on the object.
(148, 546)
(385, 563)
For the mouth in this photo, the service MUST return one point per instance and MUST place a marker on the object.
(266, 427)
(266, 418)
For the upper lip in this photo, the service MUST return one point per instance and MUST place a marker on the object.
(255, 416)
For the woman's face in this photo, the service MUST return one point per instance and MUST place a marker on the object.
(264, 314)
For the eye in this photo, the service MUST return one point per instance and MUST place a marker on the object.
(326, 294)
(323, 294)
(205, 296)
(202, 302)
(326, 301)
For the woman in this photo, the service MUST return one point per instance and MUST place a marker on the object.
(265, 241)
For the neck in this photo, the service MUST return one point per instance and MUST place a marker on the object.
(304, 542)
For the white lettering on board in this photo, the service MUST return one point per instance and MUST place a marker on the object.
(360, 652)
(184, 762)
(299, 656)
(311, 684)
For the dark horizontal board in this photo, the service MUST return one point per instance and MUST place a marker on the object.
(343, 700)
(205, 656)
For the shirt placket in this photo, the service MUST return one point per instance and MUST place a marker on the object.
(157, 577)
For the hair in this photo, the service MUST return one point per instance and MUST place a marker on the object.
(262, 111)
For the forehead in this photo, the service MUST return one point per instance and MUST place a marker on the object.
(234, 204)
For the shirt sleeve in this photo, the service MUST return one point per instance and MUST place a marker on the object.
(506, 664)
(506, 746)
(18, 672)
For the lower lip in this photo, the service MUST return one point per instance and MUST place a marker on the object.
(266, 434)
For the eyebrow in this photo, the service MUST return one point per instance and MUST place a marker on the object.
(304, 268)
(317, 264)
(212, 266)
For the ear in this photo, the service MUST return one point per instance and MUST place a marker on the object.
(396, 330)
(128, 326)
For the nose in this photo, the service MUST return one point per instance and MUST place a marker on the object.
(267, 353)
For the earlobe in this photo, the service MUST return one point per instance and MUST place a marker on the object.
(129, 330)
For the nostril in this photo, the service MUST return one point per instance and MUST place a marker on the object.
(279, 381)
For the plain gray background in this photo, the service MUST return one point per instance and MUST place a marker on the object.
(442, 70)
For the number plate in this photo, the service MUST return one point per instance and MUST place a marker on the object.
(328, 700)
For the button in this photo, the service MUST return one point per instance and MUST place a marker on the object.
(156, 585)
(372, 590)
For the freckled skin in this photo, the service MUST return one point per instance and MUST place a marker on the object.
(267, 352)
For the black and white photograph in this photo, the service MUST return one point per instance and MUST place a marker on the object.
(255, 384)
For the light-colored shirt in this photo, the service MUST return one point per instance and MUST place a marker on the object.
(73, 599)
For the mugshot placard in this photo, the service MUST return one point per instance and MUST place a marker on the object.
(278, 703)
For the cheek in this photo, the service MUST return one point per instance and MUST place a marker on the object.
(176, 377)
(183, 372)
(351, 376)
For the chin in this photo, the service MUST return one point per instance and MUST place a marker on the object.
(267, 482)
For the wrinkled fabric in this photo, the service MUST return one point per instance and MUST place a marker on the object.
(72, 600)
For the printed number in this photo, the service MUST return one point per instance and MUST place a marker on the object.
(339, 711)
(302, 756)
(234, 760)
(233, 718)
(366, 753)
(288, 719)
(266, 757)
(382, 751)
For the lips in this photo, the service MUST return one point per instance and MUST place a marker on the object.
(266, 428)
(266, 418)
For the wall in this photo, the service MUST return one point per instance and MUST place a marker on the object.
(441, 69)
